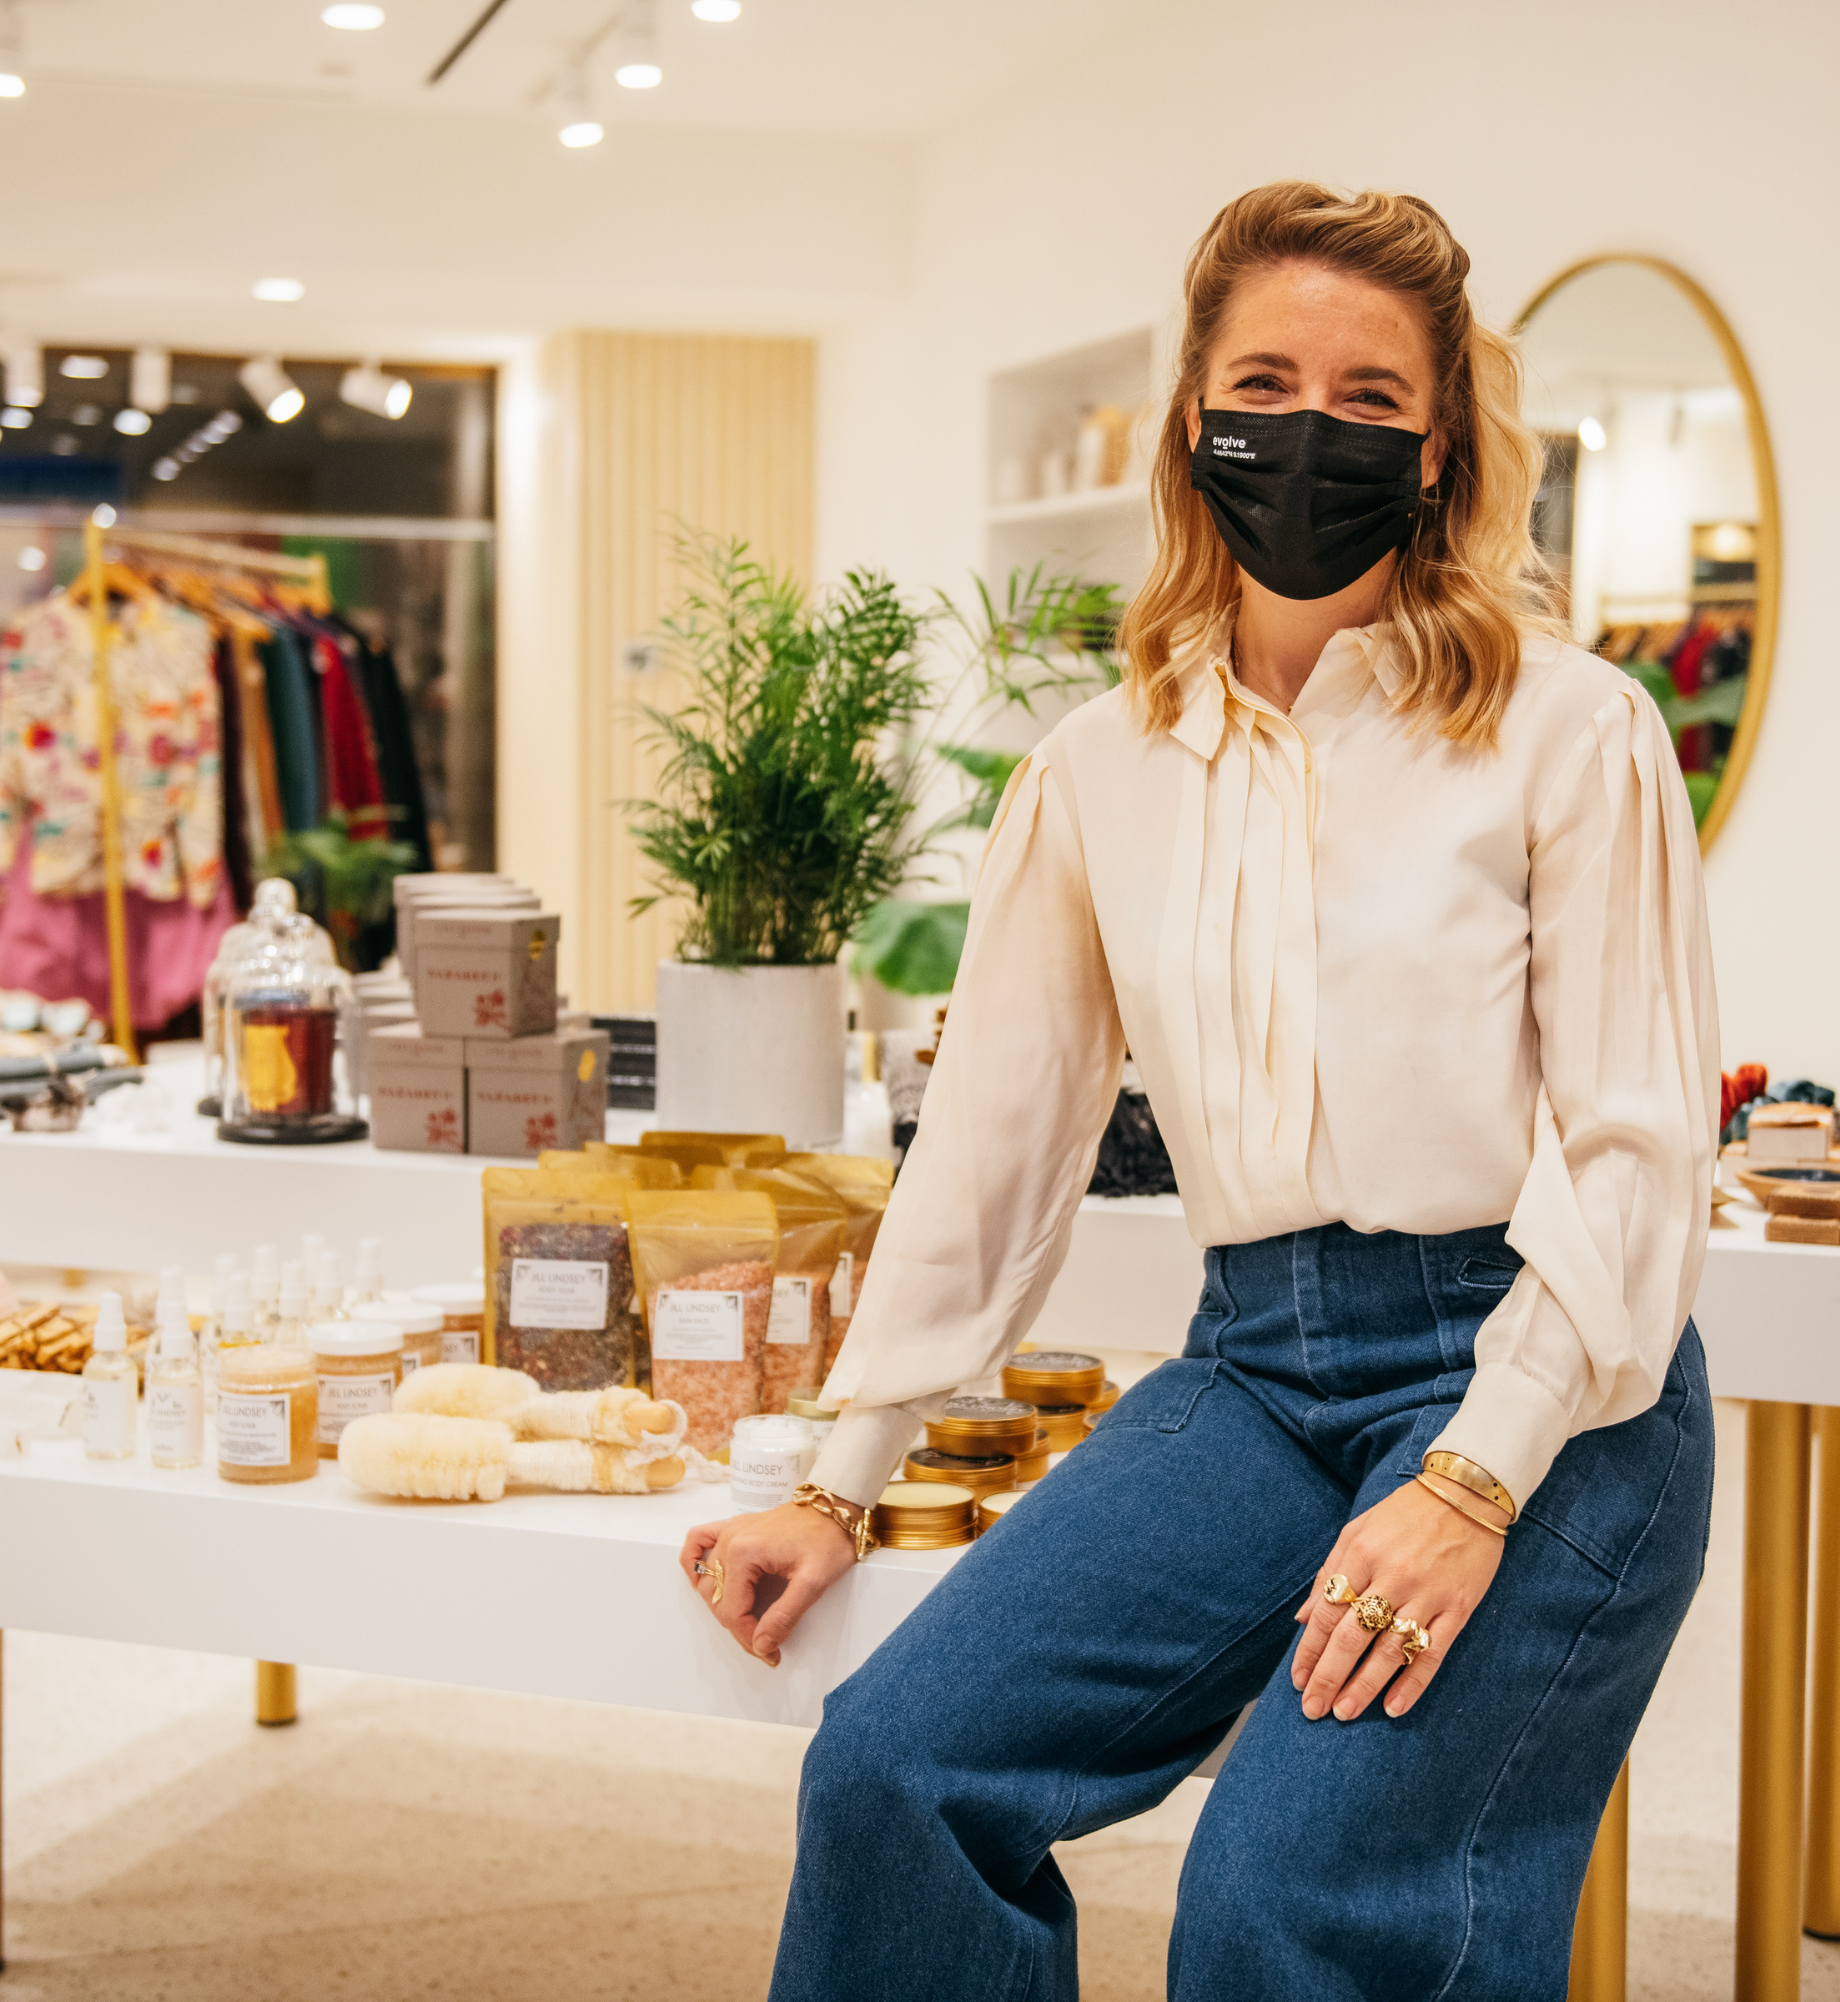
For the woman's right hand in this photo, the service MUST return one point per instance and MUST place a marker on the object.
(804, 1550)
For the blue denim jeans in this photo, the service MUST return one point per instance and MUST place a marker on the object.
(1090, 1651)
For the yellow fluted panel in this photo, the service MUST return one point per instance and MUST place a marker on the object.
(706, 432)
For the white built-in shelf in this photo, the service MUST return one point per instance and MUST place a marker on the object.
(1055, 507)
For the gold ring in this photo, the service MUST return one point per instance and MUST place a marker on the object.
(1374, 1612)
(1339, 1592)
(714, 1572)
(1413, 1639)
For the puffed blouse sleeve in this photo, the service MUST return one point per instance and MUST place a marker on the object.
(1612, 1217)
(1027, 1073)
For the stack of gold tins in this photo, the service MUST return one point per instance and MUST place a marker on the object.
(1062, 1387)
(925, 1515)
(977, 1427)
(983, 1473)
(993, 1508)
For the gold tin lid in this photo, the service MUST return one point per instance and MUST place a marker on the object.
(1065, 1426)
(804, 1404)
(983, 1474)
(1055, 1376)
(983, 1425)
(1031, 1466)
(924, 1504)
(993, 1507)
(920, 1539)
(1109, 1395)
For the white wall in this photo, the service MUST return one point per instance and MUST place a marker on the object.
(1681, 129)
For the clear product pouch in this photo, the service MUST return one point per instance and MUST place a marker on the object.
(812, 1221)
(559, 1280)
(864, 1184)
(732, 1150)
(703, 1262)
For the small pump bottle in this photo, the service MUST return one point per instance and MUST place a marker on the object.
(328, 1290)
(212, 1333)
(369, 1285)
(172, 1291)
(291, 1310)
(175, 1397)
(238, 1327)
(110, 1386)
(264, 1287)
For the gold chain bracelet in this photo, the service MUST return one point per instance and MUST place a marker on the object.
(1466, 1474)
(809, 1495)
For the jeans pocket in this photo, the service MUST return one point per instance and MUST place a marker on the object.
(1165, 1400)
(1491, 1274)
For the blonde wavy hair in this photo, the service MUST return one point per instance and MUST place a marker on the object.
(1469, 585)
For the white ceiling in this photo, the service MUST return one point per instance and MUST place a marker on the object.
(877, 69)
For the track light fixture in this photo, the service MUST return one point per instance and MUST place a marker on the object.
(639, 67)
(12, 59)
(366, 387)
(275, 394)
(576, 122)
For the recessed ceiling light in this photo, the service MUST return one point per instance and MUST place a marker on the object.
(83, 368)
(103, 516)
(581, 132)
(1591, 434)
(351, 14)
(278, 291)
(638, 76)
(11, 85)
(165, 469)
(716, 10)
(31, 557)
(133, 423)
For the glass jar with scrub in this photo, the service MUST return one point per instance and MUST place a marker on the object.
(359, 1365)
(462, 1305)
(267, 1413)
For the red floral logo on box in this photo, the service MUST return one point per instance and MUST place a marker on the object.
(444, 1129)
(489, 1010)
(540, 1130)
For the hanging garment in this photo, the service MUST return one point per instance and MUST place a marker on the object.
(262, 787)
(352, 782)
(394, 740)
(293, 707)
(58, 947)
(167, 751)
(236, 821)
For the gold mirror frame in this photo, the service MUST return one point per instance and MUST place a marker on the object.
(1769, 548)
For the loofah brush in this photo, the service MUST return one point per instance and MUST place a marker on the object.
(465, 1390)
(436, 1458)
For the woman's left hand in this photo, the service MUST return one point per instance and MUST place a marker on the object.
(1431, 1564)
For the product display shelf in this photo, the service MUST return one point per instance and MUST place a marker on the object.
(542, 1594)
(1055, 507)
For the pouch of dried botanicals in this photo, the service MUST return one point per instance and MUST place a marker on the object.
(864, 1183)
(812, 1221)
(703, 1263)
(559, 1284)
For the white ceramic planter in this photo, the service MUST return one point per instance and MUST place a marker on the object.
(753, 1049)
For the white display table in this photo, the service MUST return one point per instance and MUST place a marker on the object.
(542, 1594)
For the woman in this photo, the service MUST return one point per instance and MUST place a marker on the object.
(1395, 899)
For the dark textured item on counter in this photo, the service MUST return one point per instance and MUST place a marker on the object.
(1132, 1158)
(568, 1358)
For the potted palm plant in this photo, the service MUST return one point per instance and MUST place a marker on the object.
(782, 817)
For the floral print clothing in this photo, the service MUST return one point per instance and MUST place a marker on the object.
(167, 751)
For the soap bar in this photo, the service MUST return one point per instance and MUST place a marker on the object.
(1820, 1199)
(1789, 1133)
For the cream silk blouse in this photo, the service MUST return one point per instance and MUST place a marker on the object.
(1366, 976)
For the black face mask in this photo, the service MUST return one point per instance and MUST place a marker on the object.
(1306, 502)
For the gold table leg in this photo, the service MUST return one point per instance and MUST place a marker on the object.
(1821, 1890)
(275, 1692)
(1600, 1934)
(1776, 1457)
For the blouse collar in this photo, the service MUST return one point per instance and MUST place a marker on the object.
(1206, 677)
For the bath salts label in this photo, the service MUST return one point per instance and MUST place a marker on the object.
(108, 1417)
(462, 1344)
(790, 1320)
(843, 1287)
(692, 1326)
(175, 1421)
(343, 1398)
(559, 1293)
(252, 1429)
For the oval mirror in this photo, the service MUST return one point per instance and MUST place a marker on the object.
(1657, 508)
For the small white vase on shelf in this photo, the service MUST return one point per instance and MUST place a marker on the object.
(752, 1049)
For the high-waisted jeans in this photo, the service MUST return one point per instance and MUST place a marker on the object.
(1090, 1651)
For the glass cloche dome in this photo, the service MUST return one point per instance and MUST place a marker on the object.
(288, 1014)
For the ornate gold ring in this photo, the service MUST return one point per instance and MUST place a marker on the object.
(1339, 1592)
(1374, 1612)
(1413, 1639)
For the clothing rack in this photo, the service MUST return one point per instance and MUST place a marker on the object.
(311, 570)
